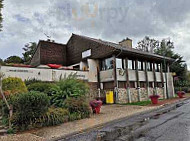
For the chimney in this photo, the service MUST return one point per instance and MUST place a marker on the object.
(126, 43)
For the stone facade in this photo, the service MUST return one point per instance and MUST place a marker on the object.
(122, 95)
(134, 95)
(144, 94)
(160, 92)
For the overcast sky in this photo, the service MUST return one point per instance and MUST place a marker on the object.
(113, 20)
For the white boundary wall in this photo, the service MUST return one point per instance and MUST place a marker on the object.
(41, 74)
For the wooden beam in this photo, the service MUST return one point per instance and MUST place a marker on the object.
(127, 81)
(154, 74)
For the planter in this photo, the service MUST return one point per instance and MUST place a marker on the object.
(96, 106)
(181, 94)
(154, 99)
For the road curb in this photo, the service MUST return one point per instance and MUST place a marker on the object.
(145, 114)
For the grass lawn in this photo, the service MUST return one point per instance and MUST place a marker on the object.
(141, 103)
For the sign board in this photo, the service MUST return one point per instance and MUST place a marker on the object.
(86, 53)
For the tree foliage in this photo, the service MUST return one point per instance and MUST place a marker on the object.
(14, 59)
(2, 62)
(29, 50)
(1, 18)
(165, 48)
(148, 44)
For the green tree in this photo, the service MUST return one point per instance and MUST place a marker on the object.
(14, 59)
(29, 50)
(2, 62)
(179, 66)
(1, 18)
(148, 44)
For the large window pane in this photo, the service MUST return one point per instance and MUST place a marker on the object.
(130, 64)
(119, 64)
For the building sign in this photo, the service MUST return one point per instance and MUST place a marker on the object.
(15, 70)
(86, 53)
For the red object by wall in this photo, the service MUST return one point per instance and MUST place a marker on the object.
(54, 66)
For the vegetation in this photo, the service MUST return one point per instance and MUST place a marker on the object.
(31, 81)
(165, 48)
(78, 108)
(1, 18)
(53, 116)
(148, 45)
(13, 85)
(141, 103)
(14, 59)
(29, 50)
(69, 87)
(45, 104)
(2, 62)
(27, 108)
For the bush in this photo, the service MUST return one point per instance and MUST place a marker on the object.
(13, 85)
(185, 89)
(54, 116)
(27, 108)
(78, 108)
(69, 87)
(31, 81)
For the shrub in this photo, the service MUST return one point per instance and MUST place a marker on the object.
(39, 86)
(69, 87)
(78, 108)
(27, 108)
(31, 81)
(54, 116)
(13, 85)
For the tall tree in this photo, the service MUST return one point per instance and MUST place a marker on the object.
(179, 66)
(1, 62)
(1, 18)
(148, 44)
(14, 59)
(29, 50)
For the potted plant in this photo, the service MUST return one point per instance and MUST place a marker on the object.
(154, 98)
(181, 94)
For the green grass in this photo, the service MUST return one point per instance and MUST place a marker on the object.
(141, 103)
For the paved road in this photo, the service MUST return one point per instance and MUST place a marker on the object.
(171, 123)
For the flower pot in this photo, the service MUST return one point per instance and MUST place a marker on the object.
(96, 106)
(154, 99)
(181, 94)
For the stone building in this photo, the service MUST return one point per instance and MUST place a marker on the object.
(133, 75)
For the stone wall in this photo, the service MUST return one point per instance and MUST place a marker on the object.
(160, 92)
(122, 95)
(134, 94)
(144, 94)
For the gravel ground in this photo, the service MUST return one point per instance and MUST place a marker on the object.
(22, 137)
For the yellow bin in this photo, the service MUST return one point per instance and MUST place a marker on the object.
(109, 97)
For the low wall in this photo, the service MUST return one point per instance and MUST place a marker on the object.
(41, 74)
(134, 96)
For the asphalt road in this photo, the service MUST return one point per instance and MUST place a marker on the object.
(170, 123)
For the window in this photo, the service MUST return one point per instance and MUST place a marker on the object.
(159, 84)
(149, 66)
(141, 65)
(122, 84)
(150, 84)
(107, 64)
(119, 63)
(132, 84)
(142, 84)
(130, 64)
(158, 68)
